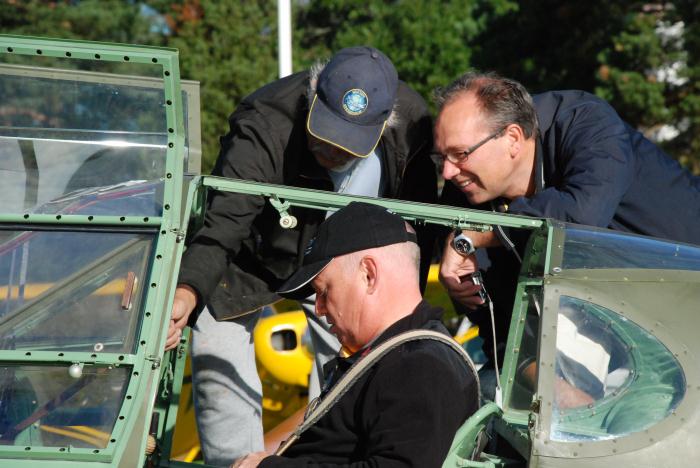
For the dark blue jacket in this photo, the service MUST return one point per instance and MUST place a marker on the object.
(592, 168)
(599, 171)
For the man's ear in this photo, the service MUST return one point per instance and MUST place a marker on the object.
(370, 272)
(516, 138)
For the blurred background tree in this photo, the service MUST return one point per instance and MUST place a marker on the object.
(643, 57)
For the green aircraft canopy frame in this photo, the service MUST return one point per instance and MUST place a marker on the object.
(155, 378)
(127, 441)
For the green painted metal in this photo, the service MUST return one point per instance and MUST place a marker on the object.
(412, 211)
(128, 437)
(40, 357)
(464, 447)
(81, 220)
(527, 296)
(168, 398)
(155, 379)
(516, 435)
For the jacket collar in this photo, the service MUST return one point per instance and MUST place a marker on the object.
(419, 318)
(539, 165)
(424, 316)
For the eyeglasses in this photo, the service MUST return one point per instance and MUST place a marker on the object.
(460, 157)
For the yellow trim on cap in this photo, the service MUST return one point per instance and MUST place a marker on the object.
(308, 129)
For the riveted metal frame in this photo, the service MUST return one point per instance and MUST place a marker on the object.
(514, 427)
(643, 305)
(128, 438)
(514, 424)
(411, 211)
(166, 405)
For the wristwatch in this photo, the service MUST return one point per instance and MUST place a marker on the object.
(462, 244)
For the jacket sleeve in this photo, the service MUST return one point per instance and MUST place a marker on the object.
(594, 162)
(409, 415)
(247, 153)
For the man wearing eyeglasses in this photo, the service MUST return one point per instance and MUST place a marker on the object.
(565, 155)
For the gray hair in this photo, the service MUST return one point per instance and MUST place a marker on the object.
(504, 101)
(315, 71)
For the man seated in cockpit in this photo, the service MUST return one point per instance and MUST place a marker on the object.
(363, 267)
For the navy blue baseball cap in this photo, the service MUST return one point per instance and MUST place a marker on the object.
(354, 97)
(357, 226)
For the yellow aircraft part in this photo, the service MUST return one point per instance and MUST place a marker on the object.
(290, 366)
(87, 434)
(473, 332)
(284, 372)
(185, 439)
(113, 288)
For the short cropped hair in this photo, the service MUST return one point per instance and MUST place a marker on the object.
(504, 101)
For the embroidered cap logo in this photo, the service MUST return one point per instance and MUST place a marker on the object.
(355, 102)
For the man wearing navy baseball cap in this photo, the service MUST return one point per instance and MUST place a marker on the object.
(363, 267)
(349, 126)
(355, 97)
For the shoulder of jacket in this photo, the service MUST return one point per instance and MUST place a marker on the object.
(409, 101)
(420, 351)
(560, 106)
(276, 101)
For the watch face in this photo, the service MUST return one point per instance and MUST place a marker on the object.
(463, 245)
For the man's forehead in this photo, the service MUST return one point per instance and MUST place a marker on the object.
(458, 125)
(325, 274)
(463, 110)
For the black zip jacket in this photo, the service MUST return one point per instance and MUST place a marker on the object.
(403, 412)
(241, 255)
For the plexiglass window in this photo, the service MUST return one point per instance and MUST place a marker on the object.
(589, 248)
(68, 142)
(525, 374)
(60, 406)
(612, 377)
(72, 290)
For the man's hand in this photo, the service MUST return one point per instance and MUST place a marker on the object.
(567, 396)
(455, 269)
(250, 461)
(184, 303)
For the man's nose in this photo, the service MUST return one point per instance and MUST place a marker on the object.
(449, 170)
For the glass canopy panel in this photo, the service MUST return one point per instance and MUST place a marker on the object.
(596, 248)
(612, 377)
(525, 374)
(65, 137)
(72, 291)
(60, 406)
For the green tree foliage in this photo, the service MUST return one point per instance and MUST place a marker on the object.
(230, 48)
(549, 44)
(686, 146)
(619, 50)
(428, 41)
(95, 20)
(634, 54)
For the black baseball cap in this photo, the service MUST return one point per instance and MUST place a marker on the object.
(354, 97)
(358, 226)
